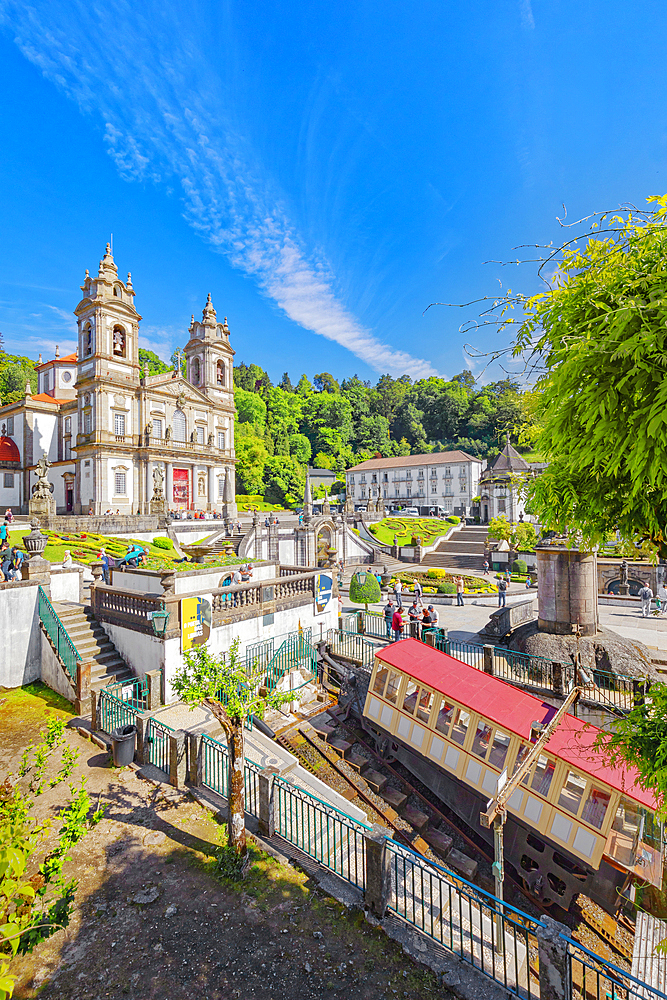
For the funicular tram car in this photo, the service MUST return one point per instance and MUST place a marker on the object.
(573, 825)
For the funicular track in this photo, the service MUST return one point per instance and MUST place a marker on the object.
(320, 757)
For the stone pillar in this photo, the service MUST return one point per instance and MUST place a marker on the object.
(489, 654)
(141, 722)
(93, 711)
(154, 684)
(194, 759)
(429, 638)
(211, 488)
(82, 685)
(552, 952)
(148, 487)
(177, 759)
(266, 814)
(169, 491)
(557, 678)
(567, 593)
(378, 872)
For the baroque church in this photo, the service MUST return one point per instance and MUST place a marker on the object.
(105, 424)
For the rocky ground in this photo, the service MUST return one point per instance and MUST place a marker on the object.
(152, 919)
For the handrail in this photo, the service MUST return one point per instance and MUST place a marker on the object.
(56, 631)
(610, 965)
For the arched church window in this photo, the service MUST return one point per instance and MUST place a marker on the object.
(87, 340)
(180, 426)
(115, 291)
(196, 371)
(220, 371)
(119, 342)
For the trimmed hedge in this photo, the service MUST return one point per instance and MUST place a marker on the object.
(520, 567)
(163, 543)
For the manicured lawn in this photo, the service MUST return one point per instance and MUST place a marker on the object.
(427, 528)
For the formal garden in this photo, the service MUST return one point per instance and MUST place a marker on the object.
(406, 530)
(440, 581)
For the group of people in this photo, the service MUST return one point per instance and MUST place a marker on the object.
(418, 618)
(11, 557)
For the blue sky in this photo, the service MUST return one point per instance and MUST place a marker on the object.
(324, 170)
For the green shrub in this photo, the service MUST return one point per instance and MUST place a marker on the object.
(365, 593)
(163, 543)
(447, 588)
(520, 567)
(453, 519)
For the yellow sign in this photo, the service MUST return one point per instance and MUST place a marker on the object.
(195, 621)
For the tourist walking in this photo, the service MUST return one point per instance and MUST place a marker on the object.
(414, 616)
(397, 624)
(662, 597)
(485, 567)
(459, 591)
(646, 595)
(16, 564)
(435, 615)
(502, 588)
(398, 592)
(389, 610)
(5, 565)
(417, 590)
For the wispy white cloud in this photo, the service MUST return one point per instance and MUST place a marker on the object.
(165, 117)
(67, 317)
(526, 12)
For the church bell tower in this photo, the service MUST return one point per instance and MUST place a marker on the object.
(210, 356)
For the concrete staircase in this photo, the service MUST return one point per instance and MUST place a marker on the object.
(93, 645)
(221, 543)
(464, 551)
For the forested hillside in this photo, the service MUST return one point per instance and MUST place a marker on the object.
(329, 425)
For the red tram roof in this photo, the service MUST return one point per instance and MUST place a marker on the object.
(512, 709)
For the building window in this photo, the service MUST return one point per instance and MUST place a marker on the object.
(408, 474)
(221, 487)
(9, 481)
(363, 477)
(87, 340)
(363, 492)
(397, 491)
(67, 449)
(386, 478)
(180, 427)
(87, 422)
(119, 424)
(201, 431)
(10, 426)
(421, 490)
(119, 342)
(68, 425)
(220, 373)
(119, 484)
(157, 428)
(409, 491)
(351, 480)
(221, 440)
(196, 371)
(434, 486)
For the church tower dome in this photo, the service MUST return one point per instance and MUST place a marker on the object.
(210, 355)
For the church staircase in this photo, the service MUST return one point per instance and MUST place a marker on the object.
(464, 551)
(93, 645)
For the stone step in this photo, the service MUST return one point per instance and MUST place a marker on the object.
(394, 798)
(357, 762)
(342, 746)
(462, 864)
(439, 842)
(417, 819)
(376, 781)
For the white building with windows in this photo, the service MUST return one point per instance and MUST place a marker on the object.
(105, 424)
(448, 479)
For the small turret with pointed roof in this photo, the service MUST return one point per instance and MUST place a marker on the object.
(107, 264)
(209, 314)
(509, 460)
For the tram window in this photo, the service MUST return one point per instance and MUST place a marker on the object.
(444, 720)
(523, 752)
(424, 706)
(572, 792)
(380, 680)
(542, 775)
(481, 739)
(410, 699)
(595, 808)
(499, 748)
(393, 685)
(460, 727)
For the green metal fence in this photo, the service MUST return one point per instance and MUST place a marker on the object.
(113, 712)
(156, 739)
(318, 829)
(533, 671)
(215, 773)
(495, 938)
(132, 692)
(296, 652)
(57, 633)
(469, 652)
(373, 624)
(356, 647)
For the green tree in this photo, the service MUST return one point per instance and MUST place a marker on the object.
(252, 378)
(230, 688)
(156, 366)
(15, 373)
(300, 448)
(325, 382)
(600, 337)
(286, 383)
(283, 480)
(366, 592)
(251, 456)
(250, 407)
(304, 386)
(327, 421)
(521, 535)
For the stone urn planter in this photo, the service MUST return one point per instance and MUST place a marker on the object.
(167, 580)
(35, 542)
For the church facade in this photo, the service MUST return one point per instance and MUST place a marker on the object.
(106, 425)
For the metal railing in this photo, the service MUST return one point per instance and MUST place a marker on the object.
(132, 692)
(113, 712)
(522, 668)
(157, 741)
(295, 653)
(351, 645)
(215, 773)
(469, 652)
(590, 977)
(373, 624)
(65, 649)
(318, 829)
(494, 938)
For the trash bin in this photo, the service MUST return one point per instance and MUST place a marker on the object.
(123, 743)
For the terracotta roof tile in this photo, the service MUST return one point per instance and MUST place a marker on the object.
(436, 458)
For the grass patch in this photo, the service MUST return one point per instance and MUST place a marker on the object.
(255, 501)
(36, 697)
(407, 529)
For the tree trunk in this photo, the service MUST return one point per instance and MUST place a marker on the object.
(236, 790)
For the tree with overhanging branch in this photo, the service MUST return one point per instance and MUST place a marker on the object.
(234, 691)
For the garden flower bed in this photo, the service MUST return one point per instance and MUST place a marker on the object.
(408, 529)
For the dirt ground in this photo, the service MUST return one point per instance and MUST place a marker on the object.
(153, 920)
